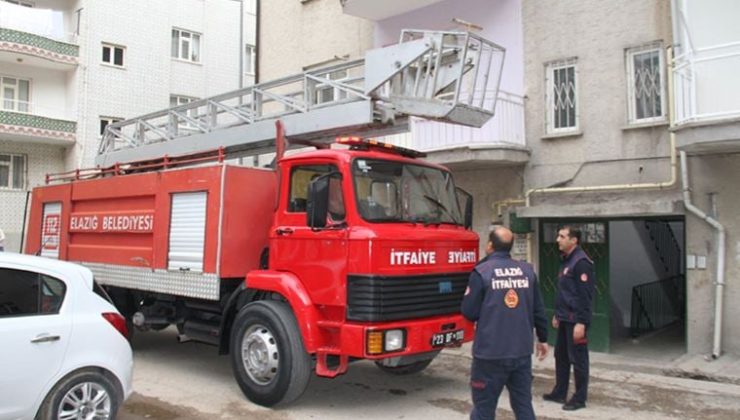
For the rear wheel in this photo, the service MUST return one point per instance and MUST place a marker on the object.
(269, 361)
(82, 395)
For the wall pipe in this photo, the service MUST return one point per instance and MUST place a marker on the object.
(642, 186)
(720, 284)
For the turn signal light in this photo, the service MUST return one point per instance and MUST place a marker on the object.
(375, 342)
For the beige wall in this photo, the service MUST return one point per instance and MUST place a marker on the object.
(713, 174)
(295, 34)
(597, 33)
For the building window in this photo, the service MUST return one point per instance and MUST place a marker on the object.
(561, 95)
(105, 121)
(113, 54)
(328, 93)
(645, 81)
(185, 45)
(177, 100)
(20, 3)
(250, 59)
(12, 171)
(15, 94)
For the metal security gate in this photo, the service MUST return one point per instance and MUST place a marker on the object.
(595, 242)
(187, 231)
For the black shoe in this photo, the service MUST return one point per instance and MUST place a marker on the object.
(573, 406)
(553, 398)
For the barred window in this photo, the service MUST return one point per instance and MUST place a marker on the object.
(561, 96)
(645, 81)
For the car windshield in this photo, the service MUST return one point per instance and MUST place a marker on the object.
(388, 191)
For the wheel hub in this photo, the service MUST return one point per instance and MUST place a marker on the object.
(85, 401)
(260, 354)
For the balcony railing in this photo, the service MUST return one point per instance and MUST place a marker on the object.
(505, 129)
(19, 118)
(32, 44)
(702, 80)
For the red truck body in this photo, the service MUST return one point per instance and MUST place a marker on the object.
(196, 246)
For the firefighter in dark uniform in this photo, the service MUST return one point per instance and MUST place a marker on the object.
(573, 308)
(504, 299)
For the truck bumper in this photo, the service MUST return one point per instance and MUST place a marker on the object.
(418, 336)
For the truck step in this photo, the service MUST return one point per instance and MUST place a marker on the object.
(205, 332)
(322, 367)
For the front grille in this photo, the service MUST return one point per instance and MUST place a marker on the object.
(383, 298)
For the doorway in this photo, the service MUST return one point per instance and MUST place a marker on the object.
(648, 288)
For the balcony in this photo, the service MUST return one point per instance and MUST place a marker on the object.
(19, 123)
(376, 10)
(707, 116)
(500, 142)
(36, 37)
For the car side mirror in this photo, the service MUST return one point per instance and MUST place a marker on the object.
(465, 200)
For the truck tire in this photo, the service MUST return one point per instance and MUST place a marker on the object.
(83, 394)
(269, 361)
(409, 369)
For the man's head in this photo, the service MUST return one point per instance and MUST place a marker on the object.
(568, 238)
(500, 239)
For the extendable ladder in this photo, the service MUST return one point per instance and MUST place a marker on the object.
(446, 76)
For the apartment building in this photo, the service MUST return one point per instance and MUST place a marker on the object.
(70, 67)
(606, 97)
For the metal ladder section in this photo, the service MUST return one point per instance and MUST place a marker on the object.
(446, 76)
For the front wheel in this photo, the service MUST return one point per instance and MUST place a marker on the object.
(82, 395)
(269, 361)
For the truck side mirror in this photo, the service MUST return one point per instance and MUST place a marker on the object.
(317, 204)
(465, 200)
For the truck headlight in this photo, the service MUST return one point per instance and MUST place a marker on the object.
(394, 340)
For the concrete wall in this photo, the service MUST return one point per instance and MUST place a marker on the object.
(718, 175)
(295, 34)
(488, 186)
(609, 150)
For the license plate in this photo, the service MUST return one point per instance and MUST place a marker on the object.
(447, 338)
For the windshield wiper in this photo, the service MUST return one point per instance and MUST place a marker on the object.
(442, 207)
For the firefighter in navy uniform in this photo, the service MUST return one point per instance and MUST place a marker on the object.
(503, 298)
(573, 308)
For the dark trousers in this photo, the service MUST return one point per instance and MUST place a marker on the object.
(487, 380)
(567, 354)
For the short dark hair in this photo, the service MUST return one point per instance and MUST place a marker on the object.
(573, 232)
(498, 243)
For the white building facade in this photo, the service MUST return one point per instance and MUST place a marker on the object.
(70, 67)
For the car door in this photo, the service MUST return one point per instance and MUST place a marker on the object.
(35, 327)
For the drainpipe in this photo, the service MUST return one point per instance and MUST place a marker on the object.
(644, 186)
(720, 284)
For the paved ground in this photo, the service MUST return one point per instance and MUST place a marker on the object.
(190, 381)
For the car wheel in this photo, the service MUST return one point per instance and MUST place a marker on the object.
(82, 395)
(269, 361)
(409, 369)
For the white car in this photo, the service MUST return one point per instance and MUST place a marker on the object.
(63, 348)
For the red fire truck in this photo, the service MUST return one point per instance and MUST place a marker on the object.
(361, 251)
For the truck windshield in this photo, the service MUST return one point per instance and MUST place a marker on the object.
(388, 191)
